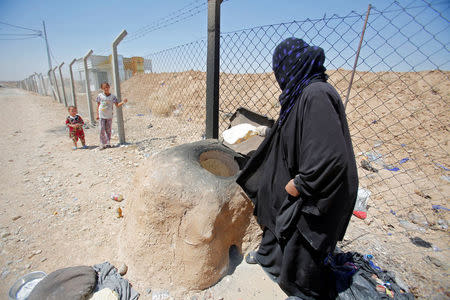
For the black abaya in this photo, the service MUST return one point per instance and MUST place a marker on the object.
(313, 146)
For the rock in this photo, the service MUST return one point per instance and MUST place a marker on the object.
(123, 269)
(160, 295)
(422, 194)
(367, 166)
(434, 261)
(180, 216)
(401, 283)
(5, 234)
(420, 242)
(16, 218)
(34, 253)
(418, 219)
(442, 224)
(4, 274)
(410, 226)
(148, 291)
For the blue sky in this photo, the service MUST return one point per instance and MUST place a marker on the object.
(74, 27)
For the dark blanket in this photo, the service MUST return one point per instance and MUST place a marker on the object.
(357, 277)
(313, 146)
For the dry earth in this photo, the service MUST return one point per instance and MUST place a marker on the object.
(40, 174)
(55, 206)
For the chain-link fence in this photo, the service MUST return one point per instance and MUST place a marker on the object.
(398, 116)
(167, 97)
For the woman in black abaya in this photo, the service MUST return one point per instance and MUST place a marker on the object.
(302, 179)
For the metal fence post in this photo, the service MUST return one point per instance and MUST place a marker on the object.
(56, 84)
(356, 57)
(116, 76)
(212, 70)
(62, 84)
(38, 83)
(88, 87)
(44, 90)
(52, 89)
(33, 83)
(72, 83)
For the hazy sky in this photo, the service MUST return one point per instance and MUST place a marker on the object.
(74, 27)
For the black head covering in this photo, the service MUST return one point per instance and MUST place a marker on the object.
(296, 64)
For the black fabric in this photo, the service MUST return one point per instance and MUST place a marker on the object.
(296, 64)
(356, 278)
(313, 146)
(298, 268)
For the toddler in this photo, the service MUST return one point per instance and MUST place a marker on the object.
(75, 124)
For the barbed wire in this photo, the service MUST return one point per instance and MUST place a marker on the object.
(165, 19)
(175, 17)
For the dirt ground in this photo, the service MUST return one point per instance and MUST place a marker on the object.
(56, 211)
(55, 206)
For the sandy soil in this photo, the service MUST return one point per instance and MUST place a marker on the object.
(62, 196)
(55, 206)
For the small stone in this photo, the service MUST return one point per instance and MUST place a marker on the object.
(422, 194)
(28, 266)
(418, 219)
(434, 261)
(5, 234)
(442, 224)
(123, 269)
(4, 274)
(148, 291)
(420, 242)
(34, 253)
(44, 259)
(16, 218)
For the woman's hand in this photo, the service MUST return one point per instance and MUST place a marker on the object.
(291, 189)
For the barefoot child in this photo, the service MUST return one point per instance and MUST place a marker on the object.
(105, 102)
(75, 124)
